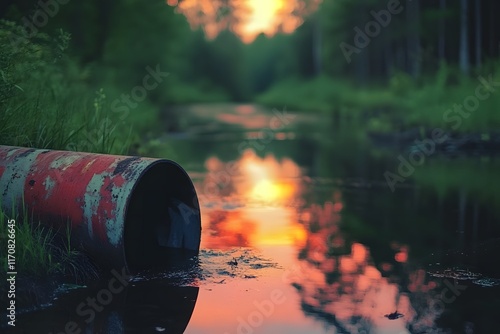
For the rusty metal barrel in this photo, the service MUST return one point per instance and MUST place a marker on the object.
(122, 211)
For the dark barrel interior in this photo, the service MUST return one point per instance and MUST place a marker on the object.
(154, 234)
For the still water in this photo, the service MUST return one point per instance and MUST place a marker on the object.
(302, 234)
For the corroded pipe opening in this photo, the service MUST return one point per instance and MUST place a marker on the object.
(162, 218)
(128, 212)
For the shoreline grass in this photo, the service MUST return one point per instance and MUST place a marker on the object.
(44, 259)
(41, 251)
(401, 104)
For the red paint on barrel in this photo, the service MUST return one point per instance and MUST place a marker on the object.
(89, 191)
(62, 185)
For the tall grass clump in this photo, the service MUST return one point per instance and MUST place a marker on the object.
(46, 100)
(42, 252)
(33, 246)
(37, 96)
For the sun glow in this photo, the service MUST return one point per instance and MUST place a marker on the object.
(264, 14)
(257, 209)
(269, 191)
(247, 18)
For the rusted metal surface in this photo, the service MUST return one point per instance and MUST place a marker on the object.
(119, 208)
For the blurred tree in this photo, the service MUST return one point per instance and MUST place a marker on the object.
(227, 66)
(442, 31)
(413, 38)
(464, 36)
(478, 28)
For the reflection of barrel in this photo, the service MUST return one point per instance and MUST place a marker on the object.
(153, 307)
(112, 306)
(123, 211)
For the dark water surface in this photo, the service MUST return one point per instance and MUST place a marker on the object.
(302, 234)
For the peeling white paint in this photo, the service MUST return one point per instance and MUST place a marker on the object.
(87, 166)
(49, 185)
(64, 162)
(92, 198)
(9, 154)
(14, 178)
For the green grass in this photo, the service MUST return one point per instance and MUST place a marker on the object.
(47, 100)
(400, 104)
(41, 252)
(33, 244)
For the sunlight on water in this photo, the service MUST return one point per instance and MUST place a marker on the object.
(325, 275)
(330, 280)
(256, 191)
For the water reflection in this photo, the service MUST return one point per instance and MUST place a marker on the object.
(339, 282)
(350, 251)
(310, 216)
(244, 196)
(140, 307)
(361, 256)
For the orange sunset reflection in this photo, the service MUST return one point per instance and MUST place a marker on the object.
(247, 18)
(339, 277)
(264, 203)
(257, 208)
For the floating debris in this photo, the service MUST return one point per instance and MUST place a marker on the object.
(262, 265)
(233, 262)
(487, 282)
(65, 288)
(68, 286)
(456, 273)
(393, 316)
(211, 252)
(249, 276)
(224, 272)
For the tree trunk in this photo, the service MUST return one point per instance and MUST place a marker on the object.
(105, 8)
(492, 31)
(317, 44)
(464, 37)
(389, 59)
(478, 33)
(413, 39)
(442, 31)
(4, 6)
